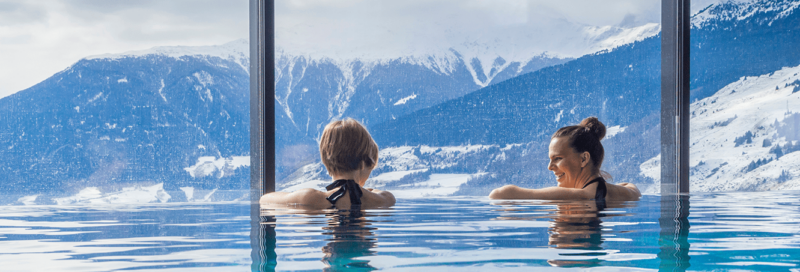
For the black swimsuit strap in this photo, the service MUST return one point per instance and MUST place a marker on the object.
(345, 185)
(600, 193)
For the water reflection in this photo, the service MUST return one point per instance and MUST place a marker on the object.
(349, 235)
(576, 226)
(262, 242)
(674, 237)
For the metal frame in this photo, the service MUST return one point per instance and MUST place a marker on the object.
(262, 93)
(262, 130)
(674, 222)
(675, 28)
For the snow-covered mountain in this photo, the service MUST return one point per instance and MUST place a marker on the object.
(172, 123)
(745, 136)
(741, 38)
(313, 89)
(312, 92)
(237, 51)
(176, 116)
(727, 13)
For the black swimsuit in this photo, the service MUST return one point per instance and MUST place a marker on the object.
(349, 186)
(600, 193)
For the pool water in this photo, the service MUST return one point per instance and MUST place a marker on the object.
(728, 231)
(113, 237)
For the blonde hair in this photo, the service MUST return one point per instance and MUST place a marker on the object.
(345, 144)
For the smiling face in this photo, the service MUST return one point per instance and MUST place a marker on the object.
(565, 163)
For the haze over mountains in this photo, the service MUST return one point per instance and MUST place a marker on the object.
(462, 120)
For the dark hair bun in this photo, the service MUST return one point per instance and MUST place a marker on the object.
(595, 127)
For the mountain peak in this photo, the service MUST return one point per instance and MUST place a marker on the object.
(237, 51)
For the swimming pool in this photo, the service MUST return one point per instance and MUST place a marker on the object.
(750, 231)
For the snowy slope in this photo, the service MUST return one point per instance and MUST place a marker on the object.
(735, 134)
(765, 11)
(412, 171)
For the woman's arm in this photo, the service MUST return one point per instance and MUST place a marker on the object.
(307, 197)
(624, 191)
(549, 193)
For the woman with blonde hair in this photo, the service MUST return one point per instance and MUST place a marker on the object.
(349, 154)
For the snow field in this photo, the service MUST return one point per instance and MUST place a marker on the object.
(751, 104)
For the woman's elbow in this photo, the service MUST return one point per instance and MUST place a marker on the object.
(271, 198)
(504, 192)
(389, 199)
(633, 191)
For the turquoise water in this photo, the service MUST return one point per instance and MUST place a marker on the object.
(731, 231)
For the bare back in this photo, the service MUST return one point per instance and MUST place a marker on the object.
(314, 199)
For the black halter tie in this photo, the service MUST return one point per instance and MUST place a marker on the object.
(600, 193)
(345, 185)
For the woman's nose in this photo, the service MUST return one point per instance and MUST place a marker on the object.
(550, 166)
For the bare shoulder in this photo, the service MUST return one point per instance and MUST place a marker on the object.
(377, 198)
(307, 197)
(624, 191)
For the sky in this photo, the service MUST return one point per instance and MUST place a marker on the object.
(391, 29)
(41, 38)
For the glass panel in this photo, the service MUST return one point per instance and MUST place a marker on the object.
(463, 96)
(106, 102)
(745, 124)
(117, 119)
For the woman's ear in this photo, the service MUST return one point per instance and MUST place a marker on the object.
(585, 158)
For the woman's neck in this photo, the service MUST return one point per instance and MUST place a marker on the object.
(585, 177)
(351, 176)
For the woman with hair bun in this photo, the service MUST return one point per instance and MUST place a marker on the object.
(576, 155)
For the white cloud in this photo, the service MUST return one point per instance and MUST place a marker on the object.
(359, 28)
(41, 38)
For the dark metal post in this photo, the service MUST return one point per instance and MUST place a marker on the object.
(262, 93)
(675, 27)
(262, 129)
(674, 222)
